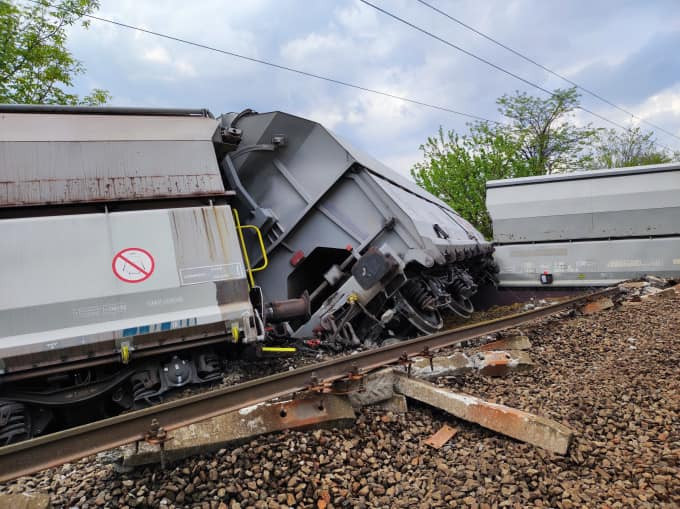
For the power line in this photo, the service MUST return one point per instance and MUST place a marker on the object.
(487, 62)
(275, 65)
(547, 69)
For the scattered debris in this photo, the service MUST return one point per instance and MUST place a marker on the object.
(456, 364)
(656, 281)
(667, 293)
(633, 284)
(523, 426)
(529, 306)
(493, 363)
(499, 363)
(442, 436)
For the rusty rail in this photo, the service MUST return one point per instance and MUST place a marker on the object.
(51, 450)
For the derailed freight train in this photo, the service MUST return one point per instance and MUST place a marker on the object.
(137, 245)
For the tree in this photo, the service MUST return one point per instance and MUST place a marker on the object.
(35, 65)
(538, 139)
(550, 141)
(456, 168)
(627, 148)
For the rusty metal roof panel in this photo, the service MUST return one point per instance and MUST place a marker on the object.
(72, 158)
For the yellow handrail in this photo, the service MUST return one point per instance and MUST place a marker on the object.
(265, 259)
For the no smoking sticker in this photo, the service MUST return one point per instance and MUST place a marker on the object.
(133, 265)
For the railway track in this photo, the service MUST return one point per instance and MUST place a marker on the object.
(153, 424)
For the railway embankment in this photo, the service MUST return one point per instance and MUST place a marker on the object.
(611, 377)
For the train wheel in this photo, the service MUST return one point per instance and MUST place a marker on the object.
(15, 422)
(425, 321)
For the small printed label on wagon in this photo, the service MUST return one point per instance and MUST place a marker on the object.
(196, 275)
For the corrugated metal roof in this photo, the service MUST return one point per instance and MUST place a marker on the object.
(50, 158)
(586, 174)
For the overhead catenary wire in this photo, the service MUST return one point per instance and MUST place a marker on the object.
(488, 62)
(547, 69)
(272, 64)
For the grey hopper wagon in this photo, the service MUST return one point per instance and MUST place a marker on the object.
(379, 256)
(120, 262)
(590, 228)
(68, 243)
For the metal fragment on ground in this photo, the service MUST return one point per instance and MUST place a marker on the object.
(243, 425)
(442, 436)
(518, 424)
(597, 305)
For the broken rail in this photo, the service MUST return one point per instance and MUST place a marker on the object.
(152, 424)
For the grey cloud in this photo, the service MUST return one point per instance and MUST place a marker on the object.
(375, 51)
(649, 70)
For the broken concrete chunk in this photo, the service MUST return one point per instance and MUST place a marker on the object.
(378, 386)
(523, 426)
(633, 284)
(494, 363)
(597, 305)
(498, 363)
(396, 404)
(450, 365)
(514, 342)
(668, 293)
(25, 501)
(656, 281)
(243, 425)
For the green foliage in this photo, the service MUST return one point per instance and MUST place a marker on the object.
(628, 148)
(35, 65)
(550, 142)
(539, 138)
(456, 168)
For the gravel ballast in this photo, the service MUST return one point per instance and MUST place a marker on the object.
(612, 377)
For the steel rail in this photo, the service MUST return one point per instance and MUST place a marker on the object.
(51, 450)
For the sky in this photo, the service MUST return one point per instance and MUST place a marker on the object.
(625, 50)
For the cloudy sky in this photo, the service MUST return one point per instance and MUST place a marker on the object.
(625, 50)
